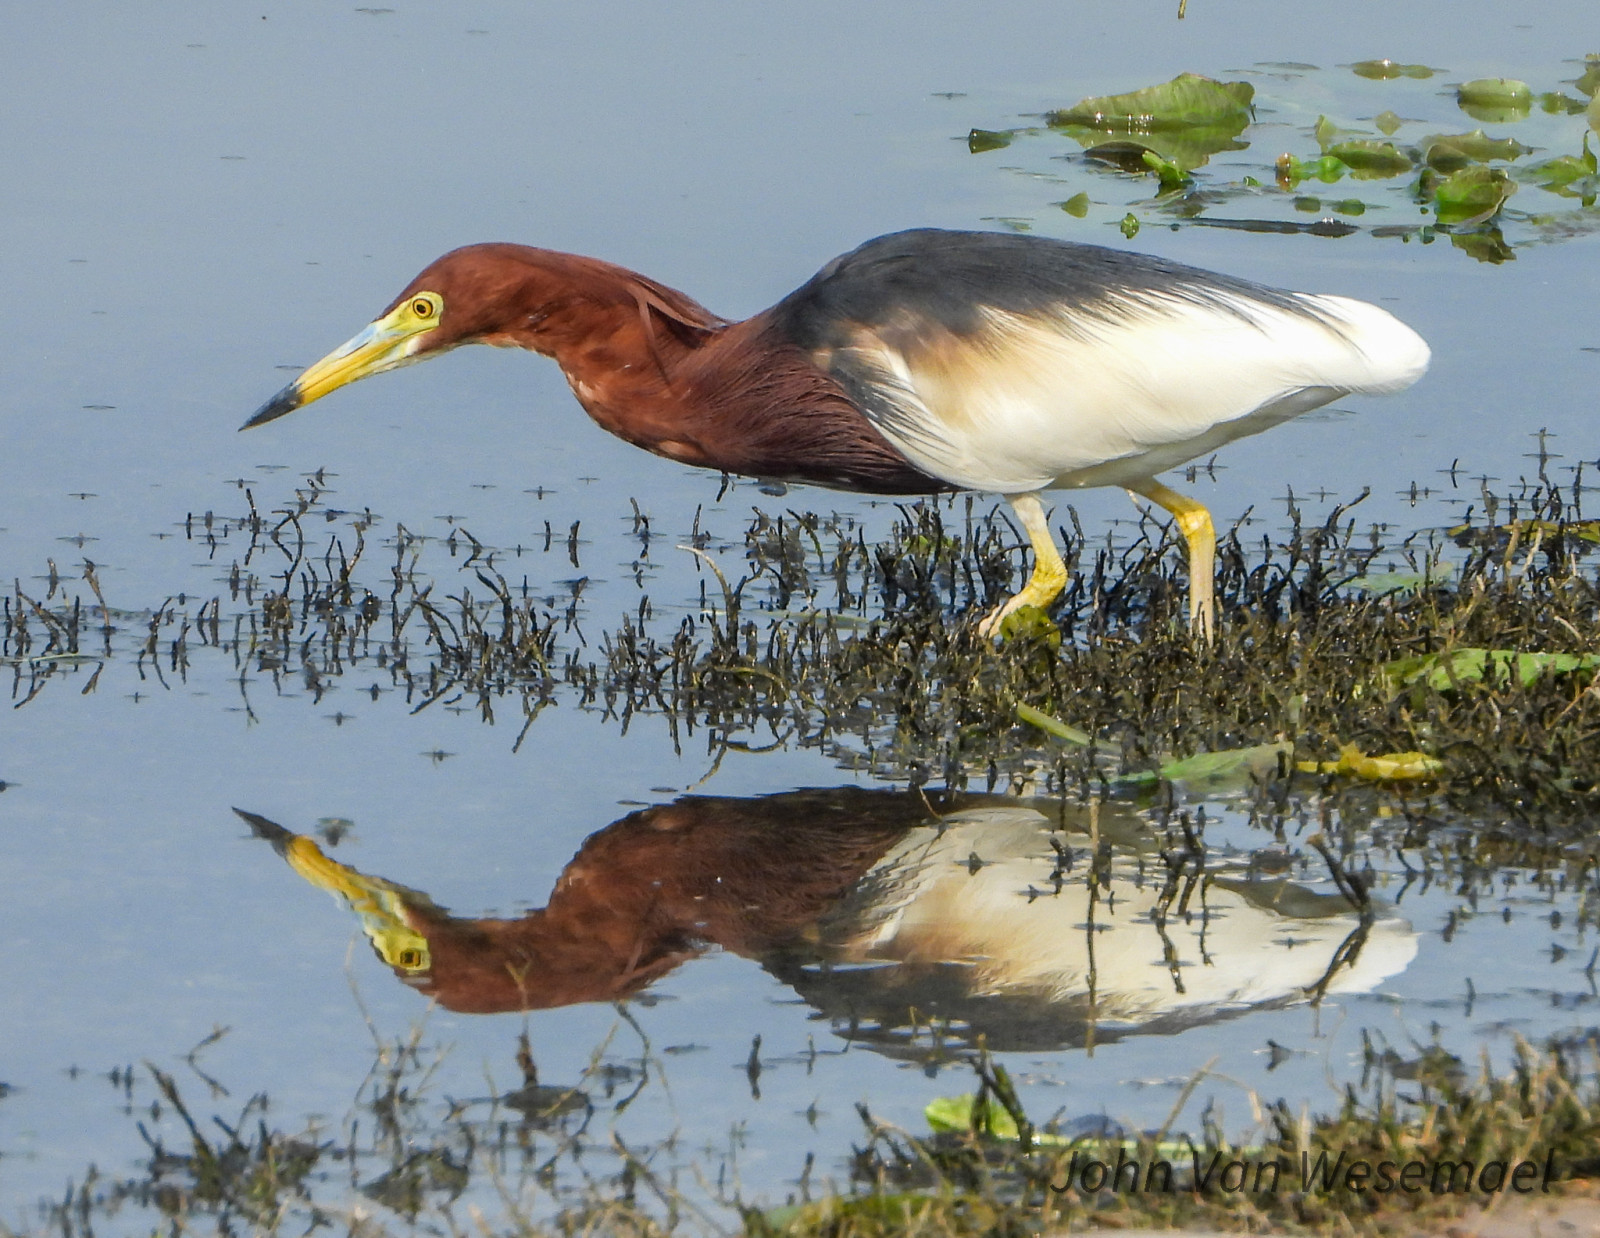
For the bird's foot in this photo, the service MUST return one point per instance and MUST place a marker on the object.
(989, 625)
(1049, 572)
(1036, 593)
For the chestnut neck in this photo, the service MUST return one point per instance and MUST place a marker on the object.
(661, 371)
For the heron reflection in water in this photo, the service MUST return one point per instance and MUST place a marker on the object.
(991, 914)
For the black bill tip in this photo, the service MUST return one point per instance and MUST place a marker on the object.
(282, 404)
(274, 833)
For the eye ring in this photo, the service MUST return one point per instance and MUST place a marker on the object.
(422, 307)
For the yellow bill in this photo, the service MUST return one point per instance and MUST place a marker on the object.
(391, 341)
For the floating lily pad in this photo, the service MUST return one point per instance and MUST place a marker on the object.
(1449, 151)
(1171, 175)
(1558, 104)
(956, 1115)
(980, 140)
(1386, 70)
(1371, 160)
(1497, 537)
(1485, 245)
(1571, 176)
(1462, 179)
(1129, 155)
(1471, 196)
(1124, 154)
(1445, 671)
(1185, 121)
(1327, 133)
(1495, 99)
(1589, 84)
(1387, 123)
(1291, 170)
(1077, 205)
(1231, 767)
(1187, 100)
(1383, 584)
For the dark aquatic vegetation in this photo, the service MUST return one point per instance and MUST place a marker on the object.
(1386, 70)
(852, 646)
(986, 1164)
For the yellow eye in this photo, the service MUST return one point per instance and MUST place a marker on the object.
(422, 307)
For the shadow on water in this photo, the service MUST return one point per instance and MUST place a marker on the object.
(915, 924)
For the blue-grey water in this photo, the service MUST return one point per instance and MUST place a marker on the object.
(199, 200)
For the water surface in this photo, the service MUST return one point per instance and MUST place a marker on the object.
(204, 201)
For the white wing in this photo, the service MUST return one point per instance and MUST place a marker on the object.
(1140, 384)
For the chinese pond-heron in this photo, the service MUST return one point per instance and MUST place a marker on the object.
(922, 362)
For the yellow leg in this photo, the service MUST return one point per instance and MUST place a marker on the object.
(1049, 572)
(1195, 522)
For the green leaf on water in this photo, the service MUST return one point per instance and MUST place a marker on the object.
(1368, 159)
(1077, 205)
(1187, 100)
(1484, 244)
(1387, 122)
(1497, 667)
(1555, 103)
(1231, 767)
(1171, 175)
(1589, 84)
(1053, 726)
(1497, 537)
(1495, 99)
(1124, 154)
(1129, 225)
(1292, 170)
(1571, 176)
(956, 1115)
(1386, 70)
(1471, 196)
(1185, 121)
(1449, 151)
(981, 140)
(1382, 584)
